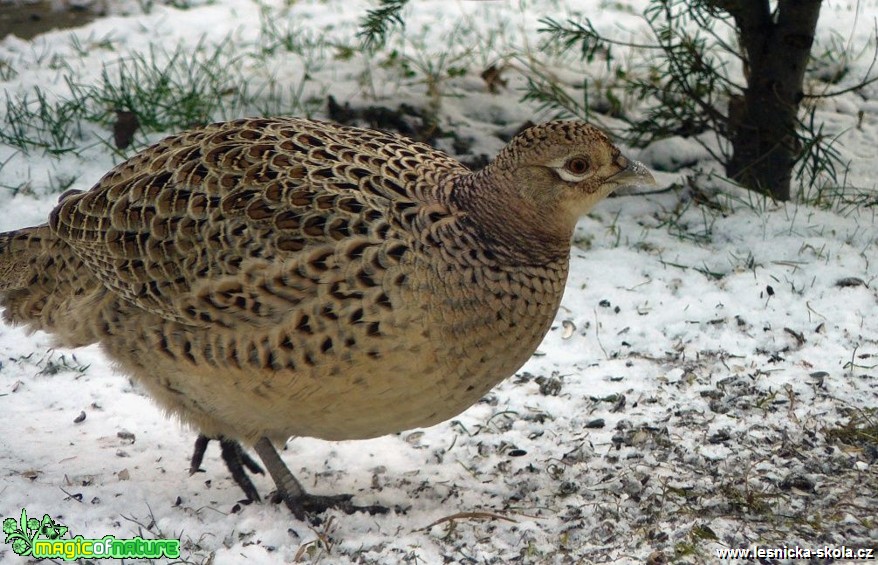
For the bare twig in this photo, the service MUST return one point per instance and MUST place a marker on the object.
(475, 515)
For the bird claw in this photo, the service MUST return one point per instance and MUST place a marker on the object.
(312, 505)
(236, 460)
(302, 504)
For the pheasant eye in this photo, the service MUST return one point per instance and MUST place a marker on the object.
(577, 165)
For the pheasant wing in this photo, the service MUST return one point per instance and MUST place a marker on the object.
(243, 221)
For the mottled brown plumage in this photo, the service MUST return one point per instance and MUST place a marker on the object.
(271, 278)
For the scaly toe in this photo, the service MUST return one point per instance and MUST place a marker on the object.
(313, 505)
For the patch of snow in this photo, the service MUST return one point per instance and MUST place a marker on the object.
(713, 352)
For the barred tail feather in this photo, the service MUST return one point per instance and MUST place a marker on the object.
(44, 286)
(17, 251)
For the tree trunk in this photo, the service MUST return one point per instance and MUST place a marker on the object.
(763, 122)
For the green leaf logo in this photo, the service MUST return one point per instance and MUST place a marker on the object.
(23, 533)
(50, 530)
(19, 534)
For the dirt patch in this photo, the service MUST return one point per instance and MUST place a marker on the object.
(417, 123)
(28, 19)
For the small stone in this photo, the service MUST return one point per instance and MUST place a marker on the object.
(567, 488)
(798, 482)
(721, 436)
(550, 386)
(848, 282)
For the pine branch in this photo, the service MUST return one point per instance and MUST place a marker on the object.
(376, 24)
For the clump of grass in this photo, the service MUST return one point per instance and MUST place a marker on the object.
(419, 65)
(147, 6)
(82, 46)
(33, 120)
(402, 58)
(289, 46)
(165, 91)
(550, 97)
(7, 71)
(282, 35)
(861, 432)
(831, 58)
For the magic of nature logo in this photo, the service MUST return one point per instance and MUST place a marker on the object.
(43, 539)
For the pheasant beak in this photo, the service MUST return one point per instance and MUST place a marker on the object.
(633, 173)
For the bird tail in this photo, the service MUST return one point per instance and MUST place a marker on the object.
(18, 251)
(44, 286)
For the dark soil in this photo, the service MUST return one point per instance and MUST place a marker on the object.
(29, 19)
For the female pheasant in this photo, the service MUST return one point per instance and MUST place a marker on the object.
(270, 278)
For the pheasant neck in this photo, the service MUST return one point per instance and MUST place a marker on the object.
(538, 236)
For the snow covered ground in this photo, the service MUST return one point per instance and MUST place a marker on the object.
(701, 388)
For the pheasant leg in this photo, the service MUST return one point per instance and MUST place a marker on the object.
(236, 461)
(198, 454)
(290, 491)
